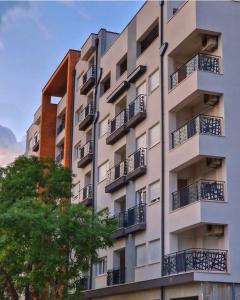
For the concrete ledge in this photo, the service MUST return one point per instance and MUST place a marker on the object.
(135, 120)
(139, 286)
(116, 135)
(115, 185)
(86, 122)
(85, 160)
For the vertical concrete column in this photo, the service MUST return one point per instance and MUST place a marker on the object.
(130, 148)
(47, 127)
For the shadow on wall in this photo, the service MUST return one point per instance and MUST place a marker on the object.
(10, 148)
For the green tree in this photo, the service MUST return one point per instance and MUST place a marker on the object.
(45, 241)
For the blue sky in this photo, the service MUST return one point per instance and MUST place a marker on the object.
(34, 37)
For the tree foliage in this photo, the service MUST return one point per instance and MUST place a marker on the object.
(45, 241)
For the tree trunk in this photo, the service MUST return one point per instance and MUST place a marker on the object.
(9, 285)
(27, 293)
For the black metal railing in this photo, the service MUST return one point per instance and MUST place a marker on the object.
(208, 260)
(137, 159)
(201, 190)
(86, 111)
(116, 276)
(202, 124)
(86, 192)
(137, 105)
(60, 156)
(200, 62)
(84, 282)
(132, 216)
(86, 149)
(117, 171)
(117, 121)
(91, 72)
(61, 127)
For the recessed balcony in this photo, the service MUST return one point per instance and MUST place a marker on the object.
(195, 260)
(136, 111)
(84, 282)
(200, 62)
(85, 154)
(61, 127)
(35, 146)
(116, 177)
(202, 190)
(86, 116)
(130, 221)
(86, 195)
(115, 276)
(202, 124)
(117, 128)
(137, 164)
(118, 92)
(88, 80)
(60, 157)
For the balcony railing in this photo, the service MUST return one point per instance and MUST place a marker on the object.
(116, 276)
(201, 124)
(86, 195)
(86, 149)
(89, 74)
(86, 111)
(200, 62)
(117, 122)
(133, 216)
(60, 156)
(60, 127)
(88, 80)
(207, 260)
(117, 171)
(137, 160)
(209, 190)
(136, 106)
(84, 282)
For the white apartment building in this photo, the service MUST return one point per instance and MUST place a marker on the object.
(154, 138)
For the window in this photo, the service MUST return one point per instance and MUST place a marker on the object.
(101, 267)
(105, 84)
(141, 196)
(141, 255)
(103, 127)
(76, 190)
(141, 141)
(142, 89)
(122, 66)
(154, 251)
(153, 81)
(77, 117)
(154, 135)
(154, 192)
(146, 40)
(102, 171)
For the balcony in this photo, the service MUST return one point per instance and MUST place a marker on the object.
(132, 220)
(85, 154)
(136, 111)
(116, 276)
(203, 260)
(86, 116)
(200, 62)
(88, 80)
(117, 127)
(137, 164)
(86, 195)
(84, 282)
(203, 190)
(60, 156)
(60, 127)
(116, 177)
(202, 124)
(118, 92)
(35, 146)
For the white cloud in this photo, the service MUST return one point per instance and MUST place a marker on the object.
(10, 148)
(11, 12)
